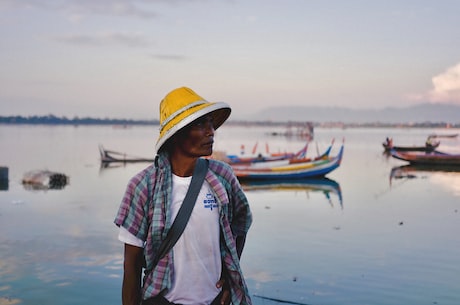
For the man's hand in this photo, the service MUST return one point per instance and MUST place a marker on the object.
(225, 295)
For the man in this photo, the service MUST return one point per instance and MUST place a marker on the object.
(203, 266)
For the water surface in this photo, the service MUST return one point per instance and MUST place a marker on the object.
(378, 241)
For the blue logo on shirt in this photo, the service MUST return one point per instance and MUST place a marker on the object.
(210, 202)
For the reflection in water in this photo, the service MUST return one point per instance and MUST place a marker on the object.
(105, 165)
(58, 264)
(8, 300)
(410, 171)
(448, 176)
(325, 185)
(277, 300)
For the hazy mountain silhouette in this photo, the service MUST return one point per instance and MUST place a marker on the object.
(426, 112)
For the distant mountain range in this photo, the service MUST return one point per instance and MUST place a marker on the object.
(420, 113)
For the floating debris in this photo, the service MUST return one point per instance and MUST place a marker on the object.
(44, 180)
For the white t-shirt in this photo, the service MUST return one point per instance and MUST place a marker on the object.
(197, 260)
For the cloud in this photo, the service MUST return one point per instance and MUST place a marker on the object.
(77, 9)
(106, 39)
(169, 57)
(107, 7)
(12, 4)
(446, 86)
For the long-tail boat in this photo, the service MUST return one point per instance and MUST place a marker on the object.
(290, 168)
(431, 158)
(110, 156)
(236, 159)
(428, 147)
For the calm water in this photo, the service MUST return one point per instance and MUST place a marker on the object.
(386, 242)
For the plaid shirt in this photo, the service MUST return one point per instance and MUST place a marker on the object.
(145, 212)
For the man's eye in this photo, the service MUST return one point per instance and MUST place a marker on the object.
(202, 123)
(199, 123)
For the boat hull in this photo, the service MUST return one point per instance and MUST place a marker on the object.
(427, 148)
(289, 170)
(433, 158)
(108, 156)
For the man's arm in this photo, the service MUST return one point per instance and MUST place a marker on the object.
(131, 290)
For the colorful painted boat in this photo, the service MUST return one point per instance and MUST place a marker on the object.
(432, 158)
(236, 159)
(110, 156)
(291, 168)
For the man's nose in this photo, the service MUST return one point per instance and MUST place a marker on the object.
(209, 128)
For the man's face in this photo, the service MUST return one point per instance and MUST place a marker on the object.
(197, 138)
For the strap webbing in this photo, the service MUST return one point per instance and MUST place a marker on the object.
(185, 210)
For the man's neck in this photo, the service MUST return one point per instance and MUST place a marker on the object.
(182, 166)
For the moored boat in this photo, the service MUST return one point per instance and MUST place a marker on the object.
(110, 156)
(239, 159)
(428, 147)
(290, 168)
(431, 158)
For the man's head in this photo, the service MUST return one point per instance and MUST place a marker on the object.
(182, 109)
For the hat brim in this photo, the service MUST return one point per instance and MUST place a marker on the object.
(220, 112)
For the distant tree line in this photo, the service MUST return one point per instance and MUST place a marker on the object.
(54, 120)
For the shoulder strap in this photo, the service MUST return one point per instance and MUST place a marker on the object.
(185, 210)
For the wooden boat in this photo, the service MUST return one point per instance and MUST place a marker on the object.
(428, 147)
(299, 130)
(323, 184)
(235, 159)
(109, 156)
(290, 168)
(447, 136)
(432, 158)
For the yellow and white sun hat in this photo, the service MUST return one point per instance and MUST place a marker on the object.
(181, 107)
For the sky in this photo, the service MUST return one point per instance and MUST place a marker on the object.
(118, 59)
